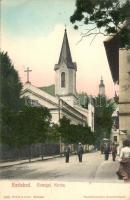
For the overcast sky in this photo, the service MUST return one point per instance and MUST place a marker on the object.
(32, 34)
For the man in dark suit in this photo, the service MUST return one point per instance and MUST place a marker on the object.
(80, 151)
(67, 153)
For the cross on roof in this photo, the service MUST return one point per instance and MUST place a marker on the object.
(28, 71)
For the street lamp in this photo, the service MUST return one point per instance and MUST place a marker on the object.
(59, 102)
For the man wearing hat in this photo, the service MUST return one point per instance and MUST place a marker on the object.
(67, 153)
(80, 151)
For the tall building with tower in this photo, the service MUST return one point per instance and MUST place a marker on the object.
(65, 86)
(101, 88)
(61, 98)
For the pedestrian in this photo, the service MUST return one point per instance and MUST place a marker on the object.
(113, 151)
(80, 151)
(106, 150)
(67, 153)
(124, 168)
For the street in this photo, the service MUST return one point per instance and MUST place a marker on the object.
(93, 168)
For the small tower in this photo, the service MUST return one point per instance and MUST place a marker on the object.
(65, 84)
(101, 88)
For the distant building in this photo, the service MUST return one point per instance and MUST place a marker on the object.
(101, 88)
(61, 99)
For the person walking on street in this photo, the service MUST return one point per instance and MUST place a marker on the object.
(124, 168)
(80, 151)
(113, 151)
(106, 150)
(67, 153)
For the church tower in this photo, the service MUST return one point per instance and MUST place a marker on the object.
(65, 85)
(101, 88)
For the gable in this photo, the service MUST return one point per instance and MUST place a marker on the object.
(41, 96)
(49, 89)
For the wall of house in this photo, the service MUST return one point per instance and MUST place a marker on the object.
(40, 96)
(124, 92)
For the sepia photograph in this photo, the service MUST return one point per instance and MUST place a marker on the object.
(65, 99)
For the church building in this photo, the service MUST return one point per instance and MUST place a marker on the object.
(61, 99)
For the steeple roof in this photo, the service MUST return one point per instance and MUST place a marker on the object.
(65, 54)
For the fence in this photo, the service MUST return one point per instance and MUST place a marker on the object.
(35, 150)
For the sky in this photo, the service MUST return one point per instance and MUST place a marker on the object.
(32, 34)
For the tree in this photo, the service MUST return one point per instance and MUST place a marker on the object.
(53, 133)
(103, 17)
(10, 85)
(10, 101)
(83, 99)
(31, 127)
(64, 129)
(7, 129)
(73, 134)
(103, 117)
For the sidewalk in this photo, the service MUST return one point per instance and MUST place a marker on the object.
(18, 162)
(107, 170)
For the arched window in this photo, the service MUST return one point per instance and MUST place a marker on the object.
(63, 79)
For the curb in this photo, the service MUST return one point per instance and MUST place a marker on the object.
(20, 162)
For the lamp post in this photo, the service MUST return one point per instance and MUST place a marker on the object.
(59, 123)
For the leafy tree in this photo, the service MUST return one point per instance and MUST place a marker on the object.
(10, 85)
(103, 17)
(83, 99)
(10, 101)
(74, 134)
(103, 117)
(64, 129)
(53, 133)
(32, 125)
(8, 122)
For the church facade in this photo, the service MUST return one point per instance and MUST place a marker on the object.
(64, 100)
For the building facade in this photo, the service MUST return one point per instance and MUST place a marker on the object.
(124, 92)
(119, 63)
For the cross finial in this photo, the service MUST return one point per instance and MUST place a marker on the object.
(28, 71)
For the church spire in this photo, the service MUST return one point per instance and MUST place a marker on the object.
(65, 54)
